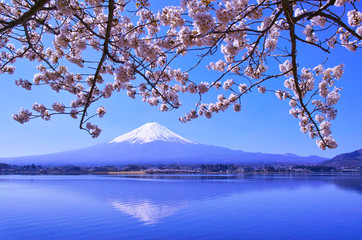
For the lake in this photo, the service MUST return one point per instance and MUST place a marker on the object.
(311, 206)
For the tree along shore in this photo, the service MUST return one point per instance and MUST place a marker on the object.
(6, 169)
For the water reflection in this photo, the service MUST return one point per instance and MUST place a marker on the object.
(354, 184)
(166, 206)
(148, 212)
(161, 196)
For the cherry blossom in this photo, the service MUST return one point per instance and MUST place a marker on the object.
(245, 43)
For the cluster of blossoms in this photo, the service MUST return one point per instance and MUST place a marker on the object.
(23, 83)
(94, 130)
(323, 108)
(23, 116)
(171, 16)
(101, 111)
(40, 108)
(137, 53)
(207, 110)
(58, 107)
(345, 35)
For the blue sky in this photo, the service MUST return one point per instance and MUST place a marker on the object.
(263, 125)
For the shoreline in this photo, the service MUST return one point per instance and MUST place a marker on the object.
(143, 173)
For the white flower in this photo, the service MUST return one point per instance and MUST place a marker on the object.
(319, 118)
(228, 84)
(163, 107)
(333, 97)
(233, 97)
(203, 87)
(293, 103)
(243, 87)
(325, 128)
(101, 111)
(319, 20)
(339, 3)
(354, 18)
(204, 22)
(220, 97)
(73, 113)
(58, 107)
(23, 116)
(261, 89)
(338, 71)
(23, 83)
(237, 107)
(286, 68)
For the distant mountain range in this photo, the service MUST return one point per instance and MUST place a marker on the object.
(153, 143)
(353, 159)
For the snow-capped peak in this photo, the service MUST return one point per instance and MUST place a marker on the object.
(150, 132)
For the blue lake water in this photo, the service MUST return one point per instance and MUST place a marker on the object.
(181, 207)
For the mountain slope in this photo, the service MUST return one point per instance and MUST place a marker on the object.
(153, 143)
(352, 159)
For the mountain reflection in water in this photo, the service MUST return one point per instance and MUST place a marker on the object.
(312, 206)
(148, 212)
(151, 212)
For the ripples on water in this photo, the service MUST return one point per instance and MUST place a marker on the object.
(181, 207)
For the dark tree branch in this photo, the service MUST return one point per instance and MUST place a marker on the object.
(293, 39)
(26, 16)
(103, 58)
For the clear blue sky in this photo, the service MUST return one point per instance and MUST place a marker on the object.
(263, 125)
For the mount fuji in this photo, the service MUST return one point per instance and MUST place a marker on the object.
(153, 143)
(150, 132)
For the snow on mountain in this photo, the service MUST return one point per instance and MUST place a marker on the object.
(150, 132)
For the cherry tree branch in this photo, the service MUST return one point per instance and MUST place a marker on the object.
(39, 4)
(103, 58)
